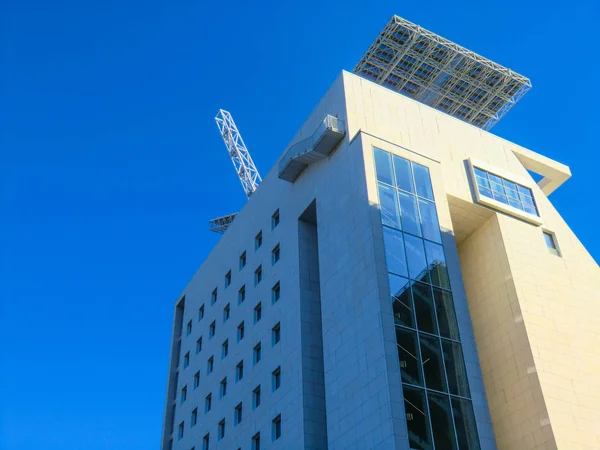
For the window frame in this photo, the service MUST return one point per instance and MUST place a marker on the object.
(275, 219)
(552, 250)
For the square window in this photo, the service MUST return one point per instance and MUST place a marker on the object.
(186, 360)
(199, 345)
(242, 260)
(223, 387)
(256, 397)
(277, 427)
(221, 433)
(276, 333)
(258, 240)
(180, 431)
(257, 353)
(184, 393)
(256, 442)
(188, 328)
(275, 254)
(201, 312)
(196, 379)
(242, 294)
(228, 278)
(257, 312)
(213, 297)
(258, 275)
(237, 414)
(276, 292)
(224, 349)
(207, 403)
(194, 416)
(551, 244)
(275, 219)
(210, 365)
(276, 378)
(211, 329)
(205, 441)
(226, 313)
(239, 371)
(240, 331)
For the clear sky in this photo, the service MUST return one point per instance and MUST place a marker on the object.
(111, 165)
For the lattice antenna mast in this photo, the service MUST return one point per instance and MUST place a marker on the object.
(239, 154)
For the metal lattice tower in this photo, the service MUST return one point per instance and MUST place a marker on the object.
(239, 154)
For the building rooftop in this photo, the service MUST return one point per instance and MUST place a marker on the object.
(415, 62)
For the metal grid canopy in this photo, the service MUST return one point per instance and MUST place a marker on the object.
(437, 72)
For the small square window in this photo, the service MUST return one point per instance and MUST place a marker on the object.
(228, 278)
(188, 328)
(223, 387)
(257, 353)
(239, 371)
(207, 403)
(275, 219)
(224, 349)
(201, 312)
(256, 442)
(257, 312)
(237, 414)
(277, 427)
(221, 433)
(180, 431)
(206, 441)
(276, 333)
(196, 379)
(240, 331)
(275, 254)
(213, 297)
(184, 393)
(276, 378)
(186, 360)
(194, 416)
(212, 329)
(242, 260)
(258, 240)
(242, 294)
(256, 397)
(199, 345)
(276, 292)
(226, 313)
(258, 275)
(550, 239)
(210, 365)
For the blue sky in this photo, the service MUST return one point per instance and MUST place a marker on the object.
(111, 165)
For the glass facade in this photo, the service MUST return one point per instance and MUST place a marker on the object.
(505, 191)
(437, 400)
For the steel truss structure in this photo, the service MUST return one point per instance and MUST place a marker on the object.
(220, 224)
(239, 154)
(437, 72)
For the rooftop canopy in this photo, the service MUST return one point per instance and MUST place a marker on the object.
(437, 72)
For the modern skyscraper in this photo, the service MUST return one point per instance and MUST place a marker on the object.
(397, 281)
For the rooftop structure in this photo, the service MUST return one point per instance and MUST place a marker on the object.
(415, 62)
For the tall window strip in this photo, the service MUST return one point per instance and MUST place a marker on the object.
(505, 191)
(437, 400)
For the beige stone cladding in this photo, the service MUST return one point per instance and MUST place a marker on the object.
(536, 316)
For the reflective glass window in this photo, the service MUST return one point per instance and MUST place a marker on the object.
(437, 265)
(408, 354)
(429, 221)
(464, 421)
(404, 178)
(446, 314)
(394, 251)
(433, 366)
(383, 166)
(417, 420)
(505, 191)
(424, 308)
(401, 301)
(410, 216)
(455, 368)
(415, 252)
(390, 214)
(422, 181)
(441, 416)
